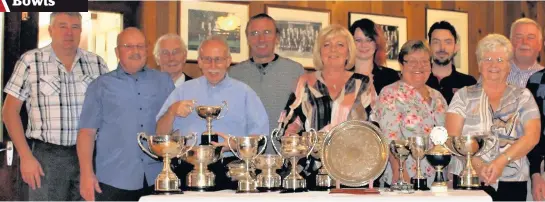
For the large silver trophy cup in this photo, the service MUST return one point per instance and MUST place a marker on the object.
(200, 178)
(323, 181)
(167, 146)
(245, 148)
(210, 113)
(419, 145)
(400, 150)
(268, 180)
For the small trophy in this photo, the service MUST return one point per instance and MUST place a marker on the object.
(419, 145)
(200, 178)
(294, 147)
(400, 150)
(439, 157)
(268, 180)
(167, 146)
(210, 113)
(246, 150)
(470, 145)
(323, 181)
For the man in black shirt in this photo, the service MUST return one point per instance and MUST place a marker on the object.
(536, 84)
(444, 46)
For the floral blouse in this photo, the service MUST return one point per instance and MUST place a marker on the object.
(402, 112)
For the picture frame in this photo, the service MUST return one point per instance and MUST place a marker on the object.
(395, 30)
(460, 21)
(200, 19)
(298, 29)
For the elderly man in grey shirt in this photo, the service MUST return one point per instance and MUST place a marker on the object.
(272, 77)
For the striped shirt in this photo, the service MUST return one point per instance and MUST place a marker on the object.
(54, 97)
(517, 107)
(519, 77)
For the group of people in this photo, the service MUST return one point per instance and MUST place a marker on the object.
(83, 120)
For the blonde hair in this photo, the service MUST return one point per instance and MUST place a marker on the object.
(525, 21)
(328, 33)
(494, 42)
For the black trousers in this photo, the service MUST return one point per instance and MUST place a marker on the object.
(508, 191)
(219, 168)
(110, 193)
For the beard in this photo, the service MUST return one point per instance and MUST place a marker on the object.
(447, 61)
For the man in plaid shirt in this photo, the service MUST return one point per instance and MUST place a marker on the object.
(52, 81)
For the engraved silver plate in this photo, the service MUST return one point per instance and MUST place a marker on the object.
(355, 152)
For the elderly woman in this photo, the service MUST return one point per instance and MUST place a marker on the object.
(493, 105)
(371, 54)
(330, 95)
(409, 107)
(170, 54)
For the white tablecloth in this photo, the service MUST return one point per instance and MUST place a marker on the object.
(231, 196)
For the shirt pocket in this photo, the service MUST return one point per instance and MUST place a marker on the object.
(83, 82)
(50, 85)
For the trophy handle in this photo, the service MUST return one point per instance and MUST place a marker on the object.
(446, 146)
(139, 138)
(314, 134)
(274, 136)
(231, 148)
(264, 146)
(190, 136)
(224, 109)
(494, 139)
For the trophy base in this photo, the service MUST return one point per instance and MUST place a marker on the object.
(247, 191)
(201, 189)
(167, 192)
(321, 188)
(469, 188)
(324, 181)
(296, 190)
(269, 189)
(420, 184)
(439, 189)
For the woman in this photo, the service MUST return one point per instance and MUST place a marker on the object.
(332, 94)
(371, 54)
(493, 105)
(409, 107)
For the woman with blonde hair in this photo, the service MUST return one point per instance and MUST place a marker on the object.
(330, 95)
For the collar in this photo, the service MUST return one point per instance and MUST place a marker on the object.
(48, 55)
(180, 80)
(263, 67)
(121, 72)
(223, 83)
(535, 66)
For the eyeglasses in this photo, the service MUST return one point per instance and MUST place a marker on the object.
(132, 46)
(174, 52)
(490, 60)
(416, 62)
(266, 33)
(208, 60)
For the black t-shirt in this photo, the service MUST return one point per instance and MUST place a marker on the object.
(450, 84)
(382, 76)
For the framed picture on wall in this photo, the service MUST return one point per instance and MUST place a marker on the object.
(395, 32)
(459, 20)
(200, 19)
(298, 31)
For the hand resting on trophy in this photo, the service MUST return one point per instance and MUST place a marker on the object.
(224, 144)
(182, 108)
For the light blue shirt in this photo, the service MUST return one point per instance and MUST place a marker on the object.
(246, 114)
(120, 105)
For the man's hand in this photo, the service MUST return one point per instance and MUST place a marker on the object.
(88, 185)
(31, 171)
(538, 187)
(182, 108)
(224, 144)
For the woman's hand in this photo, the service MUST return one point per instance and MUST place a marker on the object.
(491, 172)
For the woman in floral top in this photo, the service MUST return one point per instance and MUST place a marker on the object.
(493, 105)
(329, 96)
(409, 107)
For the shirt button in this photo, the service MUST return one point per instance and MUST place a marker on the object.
(140, 108)
(138, 93)
(142, 125)
(137, 80)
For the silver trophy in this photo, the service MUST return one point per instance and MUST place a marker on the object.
(268, 180)
(400, 150)
(323, 181)
(210, 113)
(167, 146)
(200, 178)
(245, 148)
(419, 145)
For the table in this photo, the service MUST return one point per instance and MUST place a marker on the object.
(231, 196)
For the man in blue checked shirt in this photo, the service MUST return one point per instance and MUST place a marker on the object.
(246, 115)
(117, 106)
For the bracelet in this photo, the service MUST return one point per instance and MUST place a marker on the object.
(507, 156)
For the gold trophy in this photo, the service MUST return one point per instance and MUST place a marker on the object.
(439, 157)
(210, 113)
(200, 178)
(419, 145)
(400, 150)
(323, 181)
(167, 146)
(246, 150)
(294, 147)
(470, 145)
(268, 180)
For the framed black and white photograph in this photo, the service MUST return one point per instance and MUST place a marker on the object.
(298, 31)
(200, 20)
(459, 20)
(395, 32)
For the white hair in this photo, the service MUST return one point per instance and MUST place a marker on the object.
(156, 48)
(218, 38)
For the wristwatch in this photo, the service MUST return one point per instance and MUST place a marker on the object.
(508, 157)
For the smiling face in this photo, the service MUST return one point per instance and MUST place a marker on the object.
(65, 31)
(365, 46)
(334, 52)
(262, 38)
(526, 42)
(172, 56)
(131, 50)
(214, 60)
(494, 66)
(416, 68)
(443, 46)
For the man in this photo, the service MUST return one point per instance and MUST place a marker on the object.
(443, 41)
(527, 39)
(536, 84)
(170, 54)
(118, 105)
(271, 76)
(246, 115)
(52, 80)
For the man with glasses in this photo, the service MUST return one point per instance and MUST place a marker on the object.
(246, 114)
(527, 39)
(117, 106)
(52, 81)
(170, 54)
(271, 76)
(443, 41)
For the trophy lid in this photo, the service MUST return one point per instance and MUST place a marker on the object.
(354, 152)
